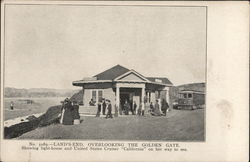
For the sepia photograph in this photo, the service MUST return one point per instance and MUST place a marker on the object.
(104, 72)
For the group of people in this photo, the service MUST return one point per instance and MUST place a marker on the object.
(159, 108)
(69, 112)
(134, 110)
(102, 106)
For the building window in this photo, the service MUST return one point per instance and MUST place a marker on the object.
(158, 80)
(100, 95)
(94, 96)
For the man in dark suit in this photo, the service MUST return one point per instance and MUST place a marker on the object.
(134, 108)
(164, 106)
(126, 107)
(103, 106)
(99, 107)
(109, 106)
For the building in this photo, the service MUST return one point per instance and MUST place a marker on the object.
(119, 84)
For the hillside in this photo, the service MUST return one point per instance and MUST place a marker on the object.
(78, 96)
(38, 92)
(193, 86)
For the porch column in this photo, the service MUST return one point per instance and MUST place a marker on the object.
(83, 102)
(167, 95)
(142, 97)
(148, 97)
(117, 97)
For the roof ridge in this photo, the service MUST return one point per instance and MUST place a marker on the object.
(112, 72)
(118, 65)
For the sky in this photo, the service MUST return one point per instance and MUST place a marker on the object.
(49, 46)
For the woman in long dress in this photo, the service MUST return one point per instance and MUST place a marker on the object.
(157, 109)
(67, 113)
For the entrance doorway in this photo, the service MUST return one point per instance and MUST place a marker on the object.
(130, 95)
(123, 98)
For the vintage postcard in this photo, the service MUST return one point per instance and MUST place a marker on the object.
(124, 81)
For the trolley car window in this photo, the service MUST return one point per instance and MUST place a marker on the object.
(190, 95)
(185, 95)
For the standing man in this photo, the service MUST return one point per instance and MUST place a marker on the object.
(120, 109)
(134, 108)
(151, 106)
(104, 106)
(99, 107)
(11, 105)
(109, 106)
(142, 108)
(164, 107)
(127, 107)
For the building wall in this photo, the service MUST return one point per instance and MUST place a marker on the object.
(87, 96)
(108, 93)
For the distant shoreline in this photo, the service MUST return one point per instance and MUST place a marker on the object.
(10, 92)
(36, 97)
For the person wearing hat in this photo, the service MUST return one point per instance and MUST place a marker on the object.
(109, 107)
(11, 105)
(67, 113)
(164, 107)
(126, 107)
(104, 107)
(99, 107)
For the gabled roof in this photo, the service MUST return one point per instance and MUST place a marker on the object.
(118, 72)
(112, 73)
(162, 79)
(131, 72)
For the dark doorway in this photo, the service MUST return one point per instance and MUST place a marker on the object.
(123, 98)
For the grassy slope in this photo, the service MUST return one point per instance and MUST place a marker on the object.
(178, 125)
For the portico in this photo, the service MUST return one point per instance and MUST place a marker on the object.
(131, 85)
